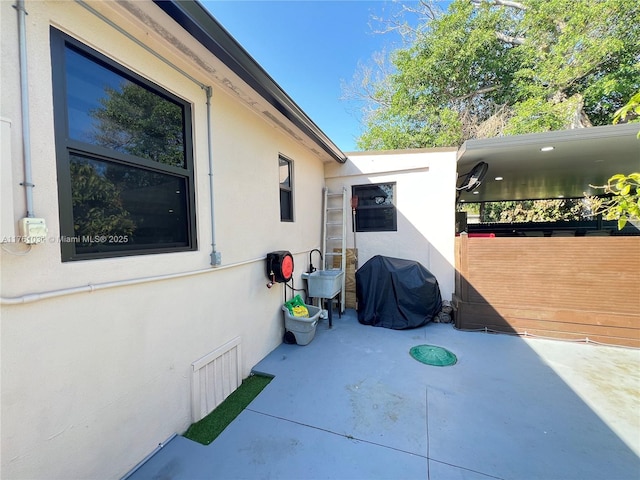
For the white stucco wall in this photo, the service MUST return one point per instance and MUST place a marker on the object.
(92, 382)
(425, 201)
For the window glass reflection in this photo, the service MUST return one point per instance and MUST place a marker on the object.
(107, 109)
(138, 208)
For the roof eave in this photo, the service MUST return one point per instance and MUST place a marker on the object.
(202, 26)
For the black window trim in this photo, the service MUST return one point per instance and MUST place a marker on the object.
(64, 147)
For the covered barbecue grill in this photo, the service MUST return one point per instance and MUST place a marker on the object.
(396, 293)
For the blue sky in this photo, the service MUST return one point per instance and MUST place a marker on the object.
(311, 47)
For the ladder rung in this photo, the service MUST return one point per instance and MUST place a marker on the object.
(334, 238)
(329, 194)
(334, 223)
(335, 209)
(333, 254)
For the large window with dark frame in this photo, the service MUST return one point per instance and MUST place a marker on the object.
(286, 189)
(124, 158)
(376, 208)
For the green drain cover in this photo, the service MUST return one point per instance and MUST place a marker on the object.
(432, 355)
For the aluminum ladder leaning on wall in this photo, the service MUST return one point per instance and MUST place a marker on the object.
(334, 235)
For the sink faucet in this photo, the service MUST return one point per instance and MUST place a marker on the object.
(311, 267)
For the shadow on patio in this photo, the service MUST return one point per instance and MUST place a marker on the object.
(353, 404)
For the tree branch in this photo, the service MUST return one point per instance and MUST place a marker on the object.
(503, 3)
(509, 39)
(423, 13)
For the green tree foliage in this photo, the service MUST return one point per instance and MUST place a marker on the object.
(630, 112)
(497, 67)
(623, 203)
(139, 122)
(550, 210)
(97, 205)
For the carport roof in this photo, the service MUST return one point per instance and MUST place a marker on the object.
(580, 158)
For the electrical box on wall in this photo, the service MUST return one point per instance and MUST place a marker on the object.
(33, 230)
(279, 266)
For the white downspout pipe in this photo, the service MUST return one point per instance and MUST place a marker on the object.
(216, 258)
(24, 97)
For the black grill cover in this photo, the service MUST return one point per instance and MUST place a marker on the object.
(396, 293)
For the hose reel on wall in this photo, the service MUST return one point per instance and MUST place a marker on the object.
(279, 267)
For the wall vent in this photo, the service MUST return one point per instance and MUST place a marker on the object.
(215, 376)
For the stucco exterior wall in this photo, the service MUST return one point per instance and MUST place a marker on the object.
(425, 207)
(92, 381)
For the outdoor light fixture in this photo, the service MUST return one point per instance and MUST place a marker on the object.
(546, 149)
(499, 179)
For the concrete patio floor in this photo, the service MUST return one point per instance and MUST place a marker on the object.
(353, 404)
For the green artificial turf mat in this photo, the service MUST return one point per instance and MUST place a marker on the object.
(432, 355)
(206, 430)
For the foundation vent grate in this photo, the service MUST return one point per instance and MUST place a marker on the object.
(215, 376)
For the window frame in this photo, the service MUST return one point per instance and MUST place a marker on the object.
(287, 190)
(66, 148)
(393, 225)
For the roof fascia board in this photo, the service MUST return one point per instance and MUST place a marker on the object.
(403, 151)
(201, 25)
(589, 133)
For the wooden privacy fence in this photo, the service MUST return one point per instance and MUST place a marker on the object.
(559, 287)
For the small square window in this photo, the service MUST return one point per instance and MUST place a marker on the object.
(286, 189)
(376, 211)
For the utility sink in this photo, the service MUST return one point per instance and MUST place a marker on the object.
(324, 283)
